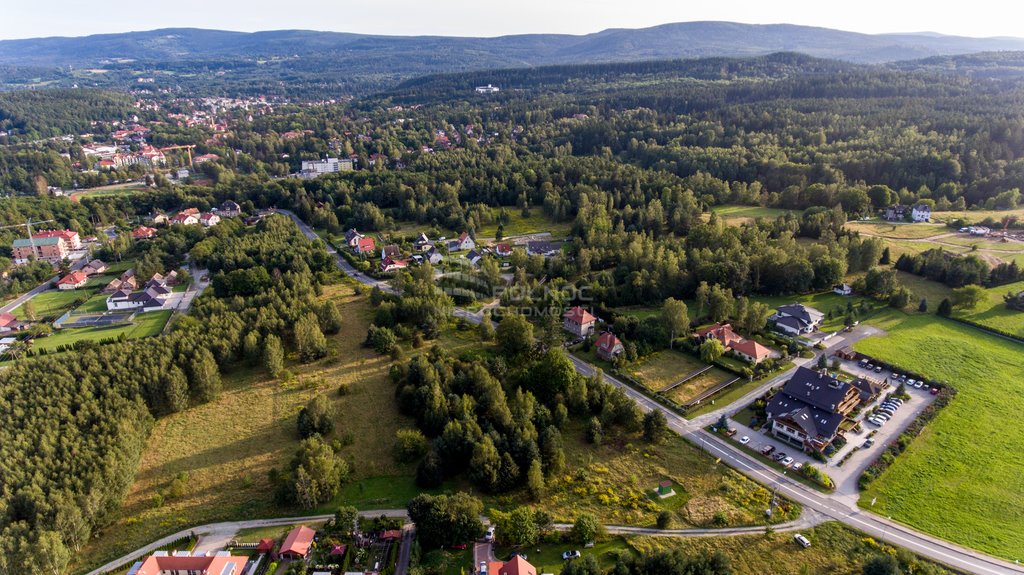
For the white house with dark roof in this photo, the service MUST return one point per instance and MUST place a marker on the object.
(796, 319)
(921, 213)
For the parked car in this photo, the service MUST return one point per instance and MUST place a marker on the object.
(515, 554)
(780, 456)
(803, 541)
(459, 546)
(882, 415)
(490, 534)
(730, 432)
(483, 568)
(878, 369)
(870, 441)
(870, 366)
(890, 405)
(934, 391)
(919, 384)
(798, 466)
(876, 421)
(864, 362)
(895, 400)
(574, 554)
(788, 461)
(767, 450)
(910, 382)
(744, 440)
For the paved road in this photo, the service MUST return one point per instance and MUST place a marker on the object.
(405, 552)
(846, 512)
(45, 286)
(216, 536)
(828, 505)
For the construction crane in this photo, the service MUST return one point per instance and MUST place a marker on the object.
(186, 148)
(28, 224)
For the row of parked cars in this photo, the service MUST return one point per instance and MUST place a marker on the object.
(781, 457)
(886, 410)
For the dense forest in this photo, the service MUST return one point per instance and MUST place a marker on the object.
(97, 411)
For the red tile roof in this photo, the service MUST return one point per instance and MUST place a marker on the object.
(155, 565)
(298, 541)
(365, 245)
(73, 278)
(7, 319)
(607, 341)
(143, 232)
(752, 348)
(391, 534)
(517, 566)
(721, 332)
(579, 315)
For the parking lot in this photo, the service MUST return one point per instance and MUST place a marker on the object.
(845, 476)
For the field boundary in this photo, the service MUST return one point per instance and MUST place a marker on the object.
(991, 330)
(686, 378)
(700, 398)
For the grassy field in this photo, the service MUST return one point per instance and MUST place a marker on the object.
(112, 190)
(144, 325)
(739, 215)
(53, 303)
(834, 550)
(823, 302)
(993, 311)
(616, 480)
(733, 392)
(897, 231)
(985, 244)
(663, 368)
(975, 216)
(227, 447)
(547, 558)
(961, 478)
(920, 287)
(516, 226)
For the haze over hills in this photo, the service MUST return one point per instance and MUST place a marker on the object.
(437, 53)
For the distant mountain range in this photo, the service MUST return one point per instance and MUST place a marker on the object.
(423, 54)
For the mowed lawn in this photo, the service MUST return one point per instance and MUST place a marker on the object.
(228, 446)
(897, 230)
(144, 325)
(738, 215)
(962, 479)
(664, 368)
(52, 303)
(992, 312)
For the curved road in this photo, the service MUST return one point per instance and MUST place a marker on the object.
(842, 509)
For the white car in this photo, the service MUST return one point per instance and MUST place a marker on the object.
(788, 461)
(490, 534)
(802, 541)
(744, 440)
(574, 554)
(876, 421)
(483, 568)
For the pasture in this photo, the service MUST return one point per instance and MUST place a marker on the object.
(961, 478)
(738, 215)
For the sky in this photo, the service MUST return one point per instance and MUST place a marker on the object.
(29, 19)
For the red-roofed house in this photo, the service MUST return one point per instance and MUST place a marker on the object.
(391, 534)
(205, 158)
(209, 219)
(578, 322)
(746, 349)
(185, 219)
(503, 250)
(390, 265)
(365, 246)
(143, 233)
(265, 546)
(608, 346)
(73, 280)
(9, 323)
(200, 565)
(296, 545)
(516, 566)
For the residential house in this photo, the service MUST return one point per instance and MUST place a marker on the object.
(608, 346)
(296, 545)
(895, 213)
(365, 246)
(515, 566)
(9, 323)
(209, 219)
(352, 238)
(543, 248)
(423, 243)
(51, 250)
(868, 389)
(464, 243)
(921, 213)
(578, 322)
(434, 256)
(488, 89)
(474, 257)
(143, 233)
(391, 251)
(746, 349)
(95, 267)
(186, 218)
(149, 299)
(842, 289)
(795, 319)
(160, 219)
(73, 280)
(503, 250)
(161, 563)
(229, 209)
(391, 265)
(202, 159)
(808, 410)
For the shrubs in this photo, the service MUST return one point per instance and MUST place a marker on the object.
(316, 418)
(381, 339)
(410, 445)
